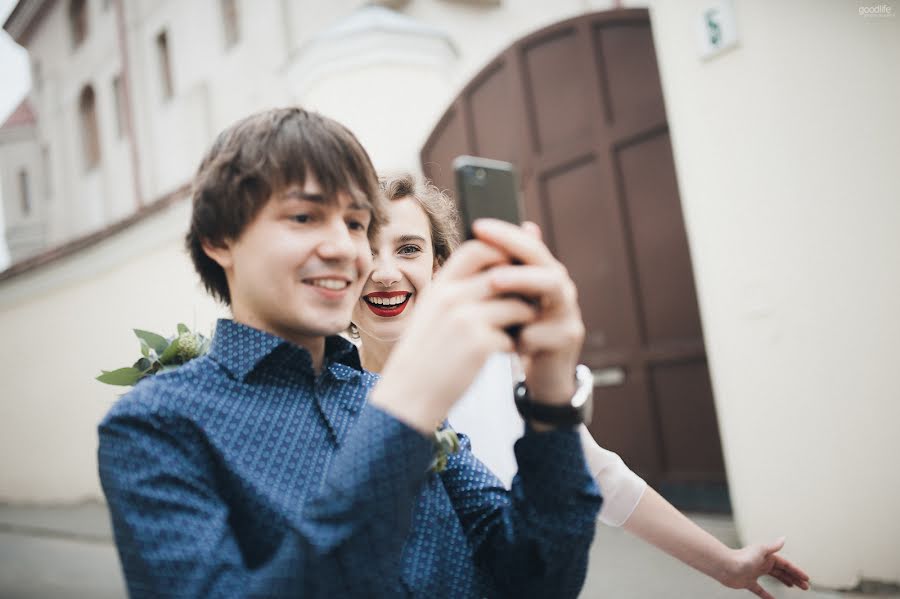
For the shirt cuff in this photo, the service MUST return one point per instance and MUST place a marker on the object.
(553, 472)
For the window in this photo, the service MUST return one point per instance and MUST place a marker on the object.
(78, 21)
(24, 192)
(37, 76)
(119, 96)
(165, 66)
(230, 22)
(90, 135)
(48, 173)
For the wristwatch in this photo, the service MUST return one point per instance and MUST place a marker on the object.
(576, 412)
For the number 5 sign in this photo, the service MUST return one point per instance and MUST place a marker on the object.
(717, 28)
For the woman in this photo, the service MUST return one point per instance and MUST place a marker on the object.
(420, 236)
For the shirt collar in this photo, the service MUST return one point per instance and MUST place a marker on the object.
(241, 349)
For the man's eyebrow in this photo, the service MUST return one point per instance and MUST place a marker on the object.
(318, 198)
(299, 194)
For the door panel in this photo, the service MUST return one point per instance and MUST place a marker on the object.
(585, 233)
(667, 299)
(626, 57)
(578, 107)
(561, 111)
(690, 434)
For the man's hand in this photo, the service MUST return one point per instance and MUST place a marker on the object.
(755, 561)
(459, 321)
(550, 344)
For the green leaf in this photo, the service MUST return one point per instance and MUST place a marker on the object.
(182, 328)
(170, 353)
(145, 349)
(143, 365)
(122, 376)
(157, 342)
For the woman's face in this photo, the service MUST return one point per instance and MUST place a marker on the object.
(403, 259)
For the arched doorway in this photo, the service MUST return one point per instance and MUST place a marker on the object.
(578, 107)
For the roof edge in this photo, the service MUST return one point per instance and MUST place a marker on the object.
(70, 248)
(24, 17)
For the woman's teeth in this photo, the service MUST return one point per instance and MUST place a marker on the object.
(388, 301)
(335, 284)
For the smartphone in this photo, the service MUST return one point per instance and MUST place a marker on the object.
(486, 188)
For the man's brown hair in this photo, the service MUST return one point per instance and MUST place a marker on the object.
(262, 155)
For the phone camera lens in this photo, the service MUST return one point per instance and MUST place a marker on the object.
(480, 175)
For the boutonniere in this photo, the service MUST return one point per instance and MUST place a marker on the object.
(158, 354)
(445, 443)
(161, 354)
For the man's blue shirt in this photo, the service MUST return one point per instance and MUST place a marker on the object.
(246, 474)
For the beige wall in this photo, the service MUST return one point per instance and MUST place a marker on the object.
(786, 150)
(61, 326)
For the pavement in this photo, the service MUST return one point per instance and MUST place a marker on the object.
(67, 552)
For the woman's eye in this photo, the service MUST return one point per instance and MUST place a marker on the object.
(301, 218)
(409, 249)
(356, 225)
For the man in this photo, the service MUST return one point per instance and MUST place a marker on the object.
(261, 469)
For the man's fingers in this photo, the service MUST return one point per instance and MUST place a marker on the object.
(471, 257)
(542, 282)
(506, 312)
(533, 230)
(513, 240)
(550, 336)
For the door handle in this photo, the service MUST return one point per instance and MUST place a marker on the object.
(612, 376)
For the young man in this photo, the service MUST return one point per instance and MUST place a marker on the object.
(262, 470)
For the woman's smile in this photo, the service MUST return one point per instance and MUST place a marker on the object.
(387, 303)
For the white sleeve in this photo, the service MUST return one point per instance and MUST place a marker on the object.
(621, 488)
(488, 415)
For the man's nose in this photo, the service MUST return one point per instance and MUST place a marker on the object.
(338, 243)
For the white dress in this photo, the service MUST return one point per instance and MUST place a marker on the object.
(488, 416)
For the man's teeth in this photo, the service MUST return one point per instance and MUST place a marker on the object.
(335, 284)
(387, 301)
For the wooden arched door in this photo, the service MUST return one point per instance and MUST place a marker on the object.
(578, 108)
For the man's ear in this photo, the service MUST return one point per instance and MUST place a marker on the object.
(219, 253)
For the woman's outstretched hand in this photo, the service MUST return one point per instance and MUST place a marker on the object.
(754, 561)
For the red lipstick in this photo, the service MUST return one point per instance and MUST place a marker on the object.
(383, 310)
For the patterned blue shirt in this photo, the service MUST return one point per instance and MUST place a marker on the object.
(246, 474)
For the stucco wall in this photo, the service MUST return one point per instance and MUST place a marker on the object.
(786, 151)
(61, 326)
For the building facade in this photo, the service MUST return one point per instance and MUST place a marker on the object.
(785, 146)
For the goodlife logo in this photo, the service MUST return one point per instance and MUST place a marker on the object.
(879, 11)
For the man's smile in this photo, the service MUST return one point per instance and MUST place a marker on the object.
(329, 287)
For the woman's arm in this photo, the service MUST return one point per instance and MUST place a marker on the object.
(630, 503)
(657, 522)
